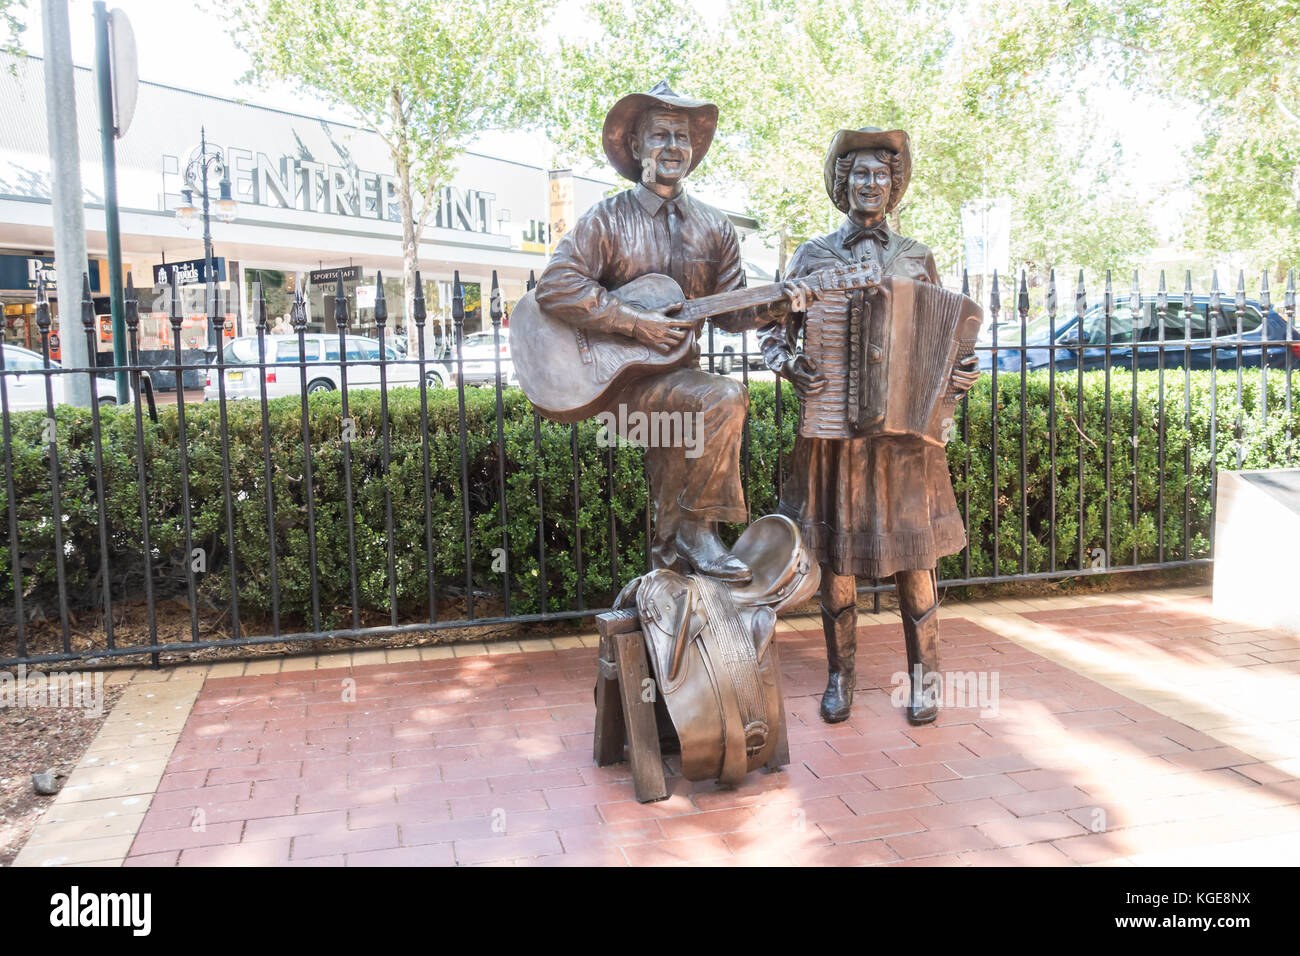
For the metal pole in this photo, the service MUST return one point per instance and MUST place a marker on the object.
(69, 214)
(107, 140)
(209, 287)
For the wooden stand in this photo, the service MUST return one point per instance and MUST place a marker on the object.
(625, 710)
(622, 713)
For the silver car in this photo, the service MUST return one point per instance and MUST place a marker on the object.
(25, 390)
(320, 352)
(479, 353)
(730, 349)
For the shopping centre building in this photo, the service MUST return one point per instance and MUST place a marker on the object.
(316, 199)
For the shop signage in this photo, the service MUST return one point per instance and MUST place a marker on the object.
(189, 271)
(346, 273)
(294, 182)
(24, 272)
(560, 182)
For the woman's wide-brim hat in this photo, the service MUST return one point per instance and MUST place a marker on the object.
(623, 117)
(870, 137)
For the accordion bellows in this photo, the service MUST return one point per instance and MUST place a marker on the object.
(887, 355)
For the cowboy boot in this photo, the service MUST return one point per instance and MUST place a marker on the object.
(921, 634)
(840, 628)
(700, 547)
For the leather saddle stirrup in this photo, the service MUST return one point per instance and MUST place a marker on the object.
(921, 635)
(840, 628)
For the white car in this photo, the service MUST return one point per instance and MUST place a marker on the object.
(25, 391)
(729, 348)
(283, 373)
(479, 353)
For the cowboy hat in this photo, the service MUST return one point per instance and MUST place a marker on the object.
(626, 113)
(870, 137)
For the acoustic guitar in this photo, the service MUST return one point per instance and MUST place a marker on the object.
(570, 373)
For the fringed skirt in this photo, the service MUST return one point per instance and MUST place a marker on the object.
(872, 506)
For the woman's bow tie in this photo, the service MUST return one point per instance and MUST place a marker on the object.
(879, 232)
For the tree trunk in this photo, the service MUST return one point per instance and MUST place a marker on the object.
(406, 207)
(1295, 191)
(410, 258)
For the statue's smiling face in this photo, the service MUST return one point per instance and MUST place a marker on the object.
(870, 183)
(662, 145)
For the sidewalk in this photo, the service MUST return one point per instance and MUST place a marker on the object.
(1131, 728)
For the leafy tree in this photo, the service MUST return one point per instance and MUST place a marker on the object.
(1236, 61)
(426, 75)
(981, 103)
(12, 26)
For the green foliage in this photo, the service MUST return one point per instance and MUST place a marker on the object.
(1234, 61)
(984, 111)
(1246, 436)
(12, 27)
(426, 75)
(608, 482)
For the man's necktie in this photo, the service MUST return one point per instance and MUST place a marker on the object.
(676, 267)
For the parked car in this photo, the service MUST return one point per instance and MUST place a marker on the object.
(1186, 341)
(25, 391)
(729, 349)
(320, 352)
(479, 352)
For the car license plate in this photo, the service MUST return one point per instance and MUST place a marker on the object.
(234, 376)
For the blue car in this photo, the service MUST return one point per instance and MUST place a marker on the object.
(1182, 346)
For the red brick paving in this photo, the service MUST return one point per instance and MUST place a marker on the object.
(487, 760)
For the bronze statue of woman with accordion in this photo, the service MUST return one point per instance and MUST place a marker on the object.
(878, 376)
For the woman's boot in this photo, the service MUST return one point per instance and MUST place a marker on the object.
(922, 638)
(841, 644)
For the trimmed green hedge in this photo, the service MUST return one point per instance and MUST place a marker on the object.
(603, 484)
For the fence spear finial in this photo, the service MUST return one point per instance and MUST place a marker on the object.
(1240, 299)
(1216, 297)
(381, 303)
(1051, 293)
(457, 300)
(1162, 294)
(1135, 296)
(259, 306)
(88, 304)
(494, 302)
(1080, 300)
(418, 310)
(965, 282)
(532, 280)
(1265, 297)
(995, 298)
(1189, 303)
(42, 304)
(1023, 299)
(299, 310)
(340, 304)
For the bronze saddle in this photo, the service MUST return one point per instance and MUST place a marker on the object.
(709, 646)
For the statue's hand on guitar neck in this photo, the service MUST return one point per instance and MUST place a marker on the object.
(661, 330)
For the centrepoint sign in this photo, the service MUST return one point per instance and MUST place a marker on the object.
(291, 182)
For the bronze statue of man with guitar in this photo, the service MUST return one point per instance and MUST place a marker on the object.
(614, 321)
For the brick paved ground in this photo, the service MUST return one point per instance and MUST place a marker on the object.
(487, 759)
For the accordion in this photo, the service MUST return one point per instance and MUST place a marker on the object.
(887, 355)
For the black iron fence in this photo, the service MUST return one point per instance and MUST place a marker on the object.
(338, 493)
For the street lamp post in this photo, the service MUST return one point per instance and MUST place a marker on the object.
(201, 168)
